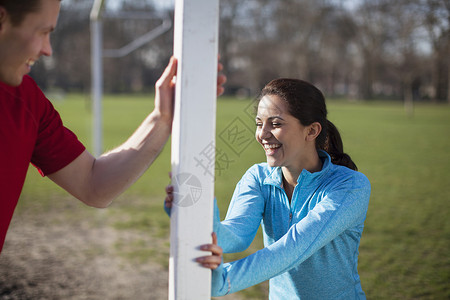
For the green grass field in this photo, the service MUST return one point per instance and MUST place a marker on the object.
(404, 250)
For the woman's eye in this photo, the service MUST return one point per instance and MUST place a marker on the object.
(276, 124)
(258, 124)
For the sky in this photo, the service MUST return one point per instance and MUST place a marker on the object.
(159, 3)
(170, 3)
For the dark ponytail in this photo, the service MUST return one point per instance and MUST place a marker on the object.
(307, 104)
(335, 148)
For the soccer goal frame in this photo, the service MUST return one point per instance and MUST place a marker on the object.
(193, 135)
(98, 14)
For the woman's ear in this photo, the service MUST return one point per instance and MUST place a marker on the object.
(313, 131)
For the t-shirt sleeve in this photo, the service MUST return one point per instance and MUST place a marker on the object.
(56, 146)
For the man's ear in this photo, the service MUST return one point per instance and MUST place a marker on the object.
(313, 131)
(3, 17)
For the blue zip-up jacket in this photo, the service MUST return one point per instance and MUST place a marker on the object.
(311, 244)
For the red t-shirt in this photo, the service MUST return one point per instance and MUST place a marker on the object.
(31, 130)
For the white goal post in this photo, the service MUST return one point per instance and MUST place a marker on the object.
(193, 146)
(193, 136)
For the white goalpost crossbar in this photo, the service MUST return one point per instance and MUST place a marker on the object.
(193, 146)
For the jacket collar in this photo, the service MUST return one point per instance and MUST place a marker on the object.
(275, 176)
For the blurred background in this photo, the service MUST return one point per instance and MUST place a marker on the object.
(384, 69)
(362, 49)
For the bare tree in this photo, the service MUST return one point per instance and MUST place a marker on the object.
(374, 49)
(437, 22)
(406, 55)
(373, 36)
(69, 67)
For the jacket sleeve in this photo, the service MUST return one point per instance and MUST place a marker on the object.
(237, 231)
(342, 208)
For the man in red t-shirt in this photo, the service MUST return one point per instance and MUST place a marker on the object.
(32, 131)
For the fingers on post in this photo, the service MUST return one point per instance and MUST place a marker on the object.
(167, 76)
(169, 196)
(221, 79)
(215, 249)
(211, 262)
(169, 189)
(215, 259)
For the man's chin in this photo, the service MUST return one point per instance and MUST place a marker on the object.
(14, 82)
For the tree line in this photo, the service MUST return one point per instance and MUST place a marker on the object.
(366, 49)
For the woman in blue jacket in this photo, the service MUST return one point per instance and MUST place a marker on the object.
(308, 197)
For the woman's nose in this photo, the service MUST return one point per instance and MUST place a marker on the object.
(264, 133)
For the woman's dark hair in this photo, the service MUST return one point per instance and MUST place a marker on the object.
(18, 9)
(307, 104)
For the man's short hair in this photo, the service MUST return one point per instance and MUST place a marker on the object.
(18, 9)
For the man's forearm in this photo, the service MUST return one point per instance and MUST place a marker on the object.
(116, 170)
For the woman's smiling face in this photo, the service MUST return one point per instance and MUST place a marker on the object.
(282, 135)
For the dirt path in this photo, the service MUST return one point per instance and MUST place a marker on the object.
(44, 259)
(49, 255)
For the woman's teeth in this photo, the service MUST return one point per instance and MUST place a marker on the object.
(272, 146)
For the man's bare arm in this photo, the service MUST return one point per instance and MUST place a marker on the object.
(97, 182)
